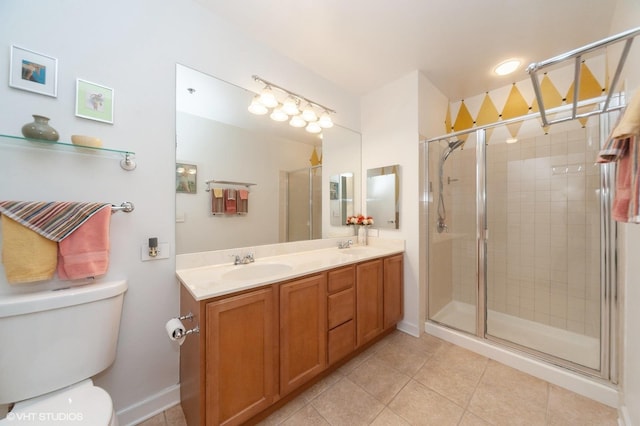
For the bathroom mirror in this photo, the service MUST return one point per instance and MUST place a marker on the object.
(383, 192)
(340, 198)
(216, 134)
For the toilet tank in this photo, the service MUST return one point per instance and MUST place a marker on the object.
(53, 339)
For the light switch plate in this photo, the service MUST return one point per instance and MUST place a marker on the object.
(163, 252)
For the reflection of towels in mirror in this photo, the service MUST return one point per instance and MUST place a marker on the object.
(217, 202)
(243, 201)
(230, 201)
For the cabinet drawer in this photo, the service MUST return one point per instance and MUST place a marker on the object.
(342, 341)
(341, 279)
(341, 307)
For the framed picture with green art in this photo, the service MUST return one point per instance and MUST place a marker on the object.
(94, 101)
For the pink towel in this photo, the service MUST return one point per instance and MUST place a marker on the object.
(85, 253)
(229, 200)
(242, 205)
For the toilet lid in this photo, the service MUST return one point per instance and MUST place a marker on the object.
(81, 404)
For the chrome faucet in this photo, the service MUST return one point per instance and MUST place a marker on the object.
(345, 244)
(248, 258)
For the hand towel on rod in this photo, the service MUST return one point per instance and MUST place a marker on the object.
(27, 256)
(243, 201)
(230, 201)
(85, 253)
(217, 201)
(622, 147)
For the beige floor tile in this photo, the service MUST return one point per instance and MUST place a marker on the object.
(307, 416)
(569, 408)
(157, 420)
(321, 386)
(470, 419)
(345, 403)
(506, 396)
(353, 363)
(453, 372)
(425, 343)
(419, 405)
(284, 412)
(389, 418)
(379, 379)
(406, 358)
(174, 416)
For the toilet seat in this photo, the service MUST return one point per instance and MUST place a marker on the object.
(79, 404)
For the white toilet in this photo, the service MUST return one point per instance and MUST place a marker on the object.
(52, 343)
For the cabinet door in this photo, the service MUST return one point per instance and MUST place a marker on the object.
(303, 331)
(239, 357)
(369, 292)
(393, 290)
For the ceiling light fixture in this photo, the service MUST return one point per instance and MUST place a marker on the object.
(507, 67)
(290, 108)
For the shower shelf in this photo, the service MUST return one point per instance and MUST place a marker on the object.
(577, 55)
(127, 157)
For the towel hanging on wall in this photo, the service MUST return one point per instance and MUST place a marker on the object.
(242, 202)
(56, 222)
(622, 147)
(230, 201)
(217, 201)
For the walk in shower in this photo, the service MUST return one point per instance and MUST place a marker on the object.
(523, 255)
(303, 204)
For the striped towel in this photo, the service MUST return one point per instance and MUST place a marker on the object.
(54, 220)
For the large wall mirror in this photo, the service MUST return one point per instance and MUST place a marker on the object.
(271, 161)
(383, 196)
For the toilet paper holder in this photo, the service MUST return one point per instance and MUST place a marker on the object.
(179, 333)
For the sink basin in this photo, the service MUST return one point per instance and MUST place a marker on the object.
(355, 251)
(256, 270)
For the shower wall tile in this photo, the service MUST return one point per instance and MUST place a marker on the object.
(543, 215)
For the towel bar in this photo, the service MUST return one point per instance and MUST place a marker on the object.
(126, 207)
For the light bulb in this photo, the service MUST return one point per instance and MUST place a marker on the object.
(256, 107)
(290, 106)
(325, 120)
(313, 127)
(267, 97)
(279, 115)
(308, 114)
(297, 121)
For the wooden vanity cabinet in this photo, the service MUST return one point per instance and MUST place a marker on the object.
(303, 328)
(369, 300)
(341, 307)
(262, 345)
(240, 342)
(393, 290)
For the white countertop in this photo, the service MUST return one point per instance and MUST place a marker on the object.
(213, 274)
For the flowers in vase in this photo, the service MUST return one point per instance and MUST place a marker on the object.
(360, 220)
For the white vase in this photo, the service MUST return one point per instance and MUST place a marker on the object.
(363, 236)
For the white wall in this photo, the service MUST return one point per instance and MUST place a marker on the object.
(131, 47)
(627, 16)
(392, 121)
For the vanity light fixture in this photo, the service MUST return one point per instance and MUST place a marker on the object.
(256, 107)
(313, 127)
(297, 121)
(507, 67)
(289, 108)
(511, 140)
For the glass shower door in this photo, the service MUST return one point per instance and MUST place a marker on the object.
(544, 251)
(453, 250)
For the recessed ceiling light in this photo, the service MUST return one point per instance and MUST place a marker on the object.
(507, 67)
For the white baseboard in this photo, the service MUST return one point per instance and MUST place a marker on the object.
(145, 409)
(623, 417)
(408, 328)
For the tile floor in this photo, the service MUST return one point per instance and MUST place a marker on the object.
(403, 380)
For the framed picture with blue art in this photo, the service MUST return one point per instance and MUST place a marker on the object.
(32, 71)
(94, 101)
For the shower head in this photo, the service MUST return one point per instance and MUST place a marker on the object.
(452, 147)
(455, 144)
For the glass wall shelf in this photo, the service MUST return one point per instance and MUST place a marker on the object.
(127, 161)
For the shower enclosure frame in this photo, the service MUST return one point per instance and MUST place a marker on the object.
(609, 335)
